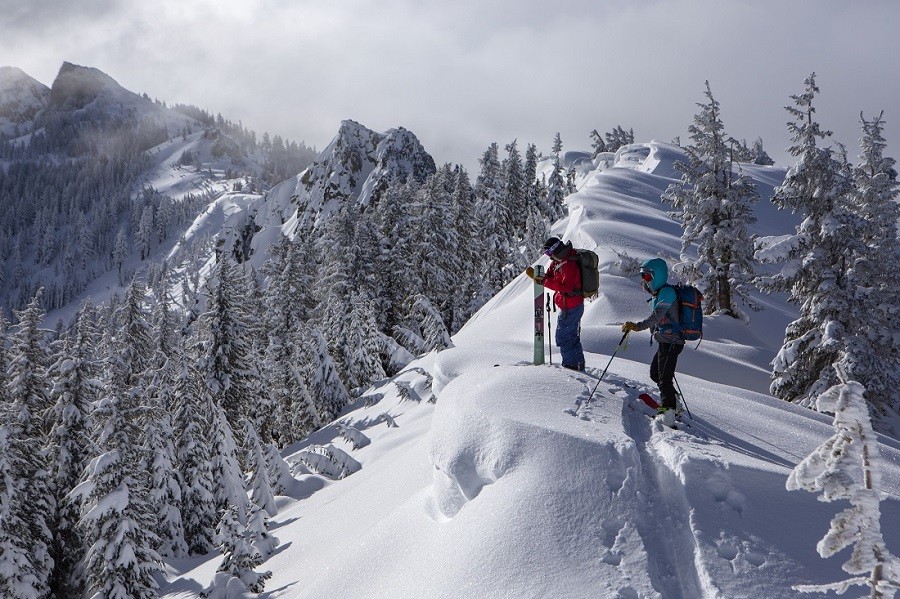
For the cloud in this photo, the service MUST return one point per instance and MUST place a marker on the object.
(464, 74)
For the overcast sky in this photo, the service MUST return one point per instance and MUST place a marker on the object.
(461, 74)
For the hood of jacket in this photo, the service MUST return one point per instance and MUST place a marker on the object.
(660, 271)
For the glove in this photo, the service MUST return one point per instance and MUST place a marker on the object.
(530, 273)
(629, 326)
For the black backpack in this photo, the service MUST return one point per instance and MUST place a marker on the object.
(589, 263)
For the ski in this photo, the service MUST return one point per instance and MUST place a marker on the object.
(644, 397)
(651, 402)
(538, 315)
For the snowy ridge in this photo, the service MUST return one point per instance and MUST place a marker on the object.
(91, 94)
(515, 485)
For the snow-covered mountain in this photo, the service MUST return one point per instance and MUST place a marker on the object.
(357, 166)
(534, 481)
(88, 160)
(21, 98)
(88, 94)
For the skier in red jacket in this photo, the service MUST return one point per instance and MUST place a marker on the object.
(564, 277)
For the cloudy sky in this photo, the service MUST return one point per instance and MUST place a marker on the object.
(464, 73)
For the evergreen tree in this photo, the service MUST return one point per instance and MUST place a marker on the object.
(260, 485)
(597, 143)
(240, 559)
(292, 415)
(874, 203)
(226, 364)
(847, 467)
(76, 388)
(492, 220)
(227, 476)
(117, 514)
(556, 187)
(467, 261)
(325, 386)
(25, 535)
(817, 259)
(194, 459)
(715, 208)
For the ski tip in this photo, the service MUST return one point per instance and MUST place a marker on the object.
(649, 401)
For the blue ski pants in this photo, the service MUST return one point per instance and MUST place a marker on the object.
(568, 337)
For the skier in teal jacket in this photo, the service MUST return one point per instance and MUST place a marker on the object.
(654, 276)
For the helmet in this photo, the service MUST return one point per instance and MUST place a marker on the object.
(556, 248)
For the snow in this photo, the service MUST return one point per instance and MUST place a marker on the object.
(513, 484)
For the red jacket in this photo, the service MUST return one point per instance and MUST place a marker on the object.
(564, 278)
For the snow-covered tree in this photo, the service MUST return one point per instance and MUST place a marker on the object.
(492, 218)
(260, 485)
(25, 535)
(226, 363)
(715, 208)
(874, 201)
(846, 467)
(76, 387)
(597, 143)
(817, 259)
(328, 392)
(117, 511)
(193, 444)
(240, 559)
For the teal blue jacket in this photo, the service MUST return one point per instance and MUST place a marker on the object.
(663, 298)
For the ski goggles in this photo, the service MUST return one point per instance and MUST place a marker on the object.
(647, 276)
(549, 251)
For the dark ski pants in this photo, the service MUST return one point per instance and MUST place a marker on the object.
(662, 371)
(568, 337)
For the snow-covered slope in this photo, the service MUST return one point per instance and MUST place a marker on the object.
(513, 484)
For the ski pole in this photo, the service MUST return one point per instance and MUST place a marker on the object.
(686, 409)
(549, 332)
(621, 341)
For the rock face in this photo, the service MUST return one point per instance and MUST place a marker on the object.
(76, 87)
(21, 98)
(358, 165)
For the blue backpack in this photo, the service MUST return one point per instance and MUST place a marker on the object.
(690, 312)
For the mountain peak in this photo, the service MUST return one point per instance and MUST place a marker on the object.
(76, 86)
(21, 98)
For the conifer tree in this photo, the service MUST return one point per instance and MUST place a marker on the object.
(556, 184)
(874, 203)
(597, 143)
(76, 388)
(818, 257)
(226, 364)
(240, 559)
(292, 415)
(25, 535)
(467, 262)
(260, 485)
(328, 392)
(117, 515)
(492, 220)
(193, 445)
(715, 207)
(847, 467)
